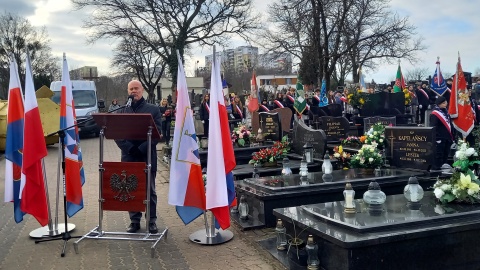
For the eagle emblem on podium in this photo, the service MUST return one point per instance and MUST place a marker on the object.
(123, 185)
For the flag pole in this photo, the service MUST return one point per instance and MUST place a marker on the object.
(211, 232)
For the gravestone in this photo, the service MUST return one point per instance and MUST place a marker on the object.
(285, 118)
(335, 128)
(383, 103)
(370, 121)
(303, 134)
(411, 147)
(271, 126)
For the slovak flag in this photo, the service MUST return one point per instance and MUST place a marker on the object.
(187, 191)
(221, 159)
(253, 103)
(14, 179)
(34, 199)
(74, 174)
(460, 108)
(438, 84)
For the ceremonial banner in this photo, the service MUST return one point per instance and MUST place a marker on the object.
(438, 84)
(34, 199)
(186, 189)
(399, 81)
(460, 108)
(253, 104)
(323, 94)
(300, 102)
(363, 86)
(14, 143)
(221, 159)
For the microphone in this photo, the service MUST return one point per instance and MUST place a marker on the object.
(129, 101)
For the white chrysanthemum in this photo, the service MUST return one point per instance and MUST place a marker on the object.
(470, 192)
(381, 140)
(445, 187)
(337, 155)
(470, 152)
(375, 133)
(357, 157)
(370, 160)
(438, 193)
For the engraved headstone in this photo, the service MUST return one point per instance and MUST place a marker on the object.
(285, 118)
(335, 128)
(303, 134)
(411, 147)
(386, 121)
(271, 126)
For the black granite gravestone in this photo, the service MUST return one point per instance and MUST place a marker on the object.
(303, 134)
(335, 128)
(384, 104)
(411, 147)
(271, 126)
(370, 121)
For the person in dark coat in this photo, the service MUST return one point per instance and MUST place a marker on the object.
(440, 119)
(205, 113)
(264, 106)
(238, 110)
(316, 98)
(423, 103)
(166, 112)
(137, 151)
(279, 101)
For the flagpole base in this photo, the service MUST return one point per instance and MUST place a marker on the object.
(221, 236)
(43, 232)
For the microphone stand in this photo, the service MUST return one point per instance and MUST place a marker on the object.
(65, 236)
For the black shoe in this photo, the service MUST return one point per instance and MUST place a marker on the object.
(134, 227)
(152, 227)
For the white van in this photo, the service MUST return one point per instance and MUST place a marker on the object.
(86, 103)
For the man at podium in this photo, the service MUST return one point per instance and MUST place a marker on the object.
(136, 151)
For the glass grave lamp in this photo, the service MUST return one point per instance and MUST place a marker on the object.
(255, 172)
(375, 198)
(413, 192)
(313, 263)
(243, 208)
(308, 152)
(349, 195)
(281, 235)
(286, 167)
(303, 167)
(327, 168)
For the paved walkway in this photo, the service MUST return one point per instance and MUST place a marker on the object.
(18, 251)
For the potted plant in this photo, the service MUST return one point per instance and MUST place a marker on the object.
(368, 158)
(342, 157)
(352, 141)
(376, 136)
(241, 135)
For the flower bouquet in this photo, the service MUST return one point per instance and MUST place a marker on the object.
(376, 135)
(271, 155)
(463, 186)
(342, 156)
(351, 141)
(367, 157)
(241, 135)
(408, 96)
(356, 98)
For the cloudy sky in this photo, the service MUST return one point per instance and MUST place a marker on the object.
(446, 27)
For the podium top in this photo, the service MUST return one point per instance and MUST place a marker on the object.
(126, 126)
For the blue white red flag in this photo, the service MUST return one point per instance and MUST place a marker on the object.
(74, 174)
(438, 84)
(34, 199)
(221, 159)
(323, 94)
(14, 143)
(187, 191)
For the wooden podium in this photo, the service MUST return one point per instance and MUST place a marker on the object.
(125, 186)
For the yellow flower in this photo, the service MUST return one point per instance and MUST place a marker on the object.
(340, 149)
(465, 181)
(474, 187)
(350, 96)
(361, 101)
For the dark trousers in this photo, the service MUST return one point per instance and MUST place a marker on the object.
(205, 128)
(441, 156)
(421, 115)
(166, 126)
(136, 216)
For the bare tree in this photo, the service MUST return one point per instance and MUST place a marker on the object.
(133, 55)
(417, 74)
(17, 36)
(169, 25)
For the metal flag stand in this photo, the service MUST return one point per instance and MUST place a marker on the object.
(210, 236)
(113, 129)
(52, 229)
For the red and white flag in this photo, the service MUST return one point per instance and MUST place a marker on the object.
(253, 103)
(34, 199)
(460, 108)
(221, 159)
